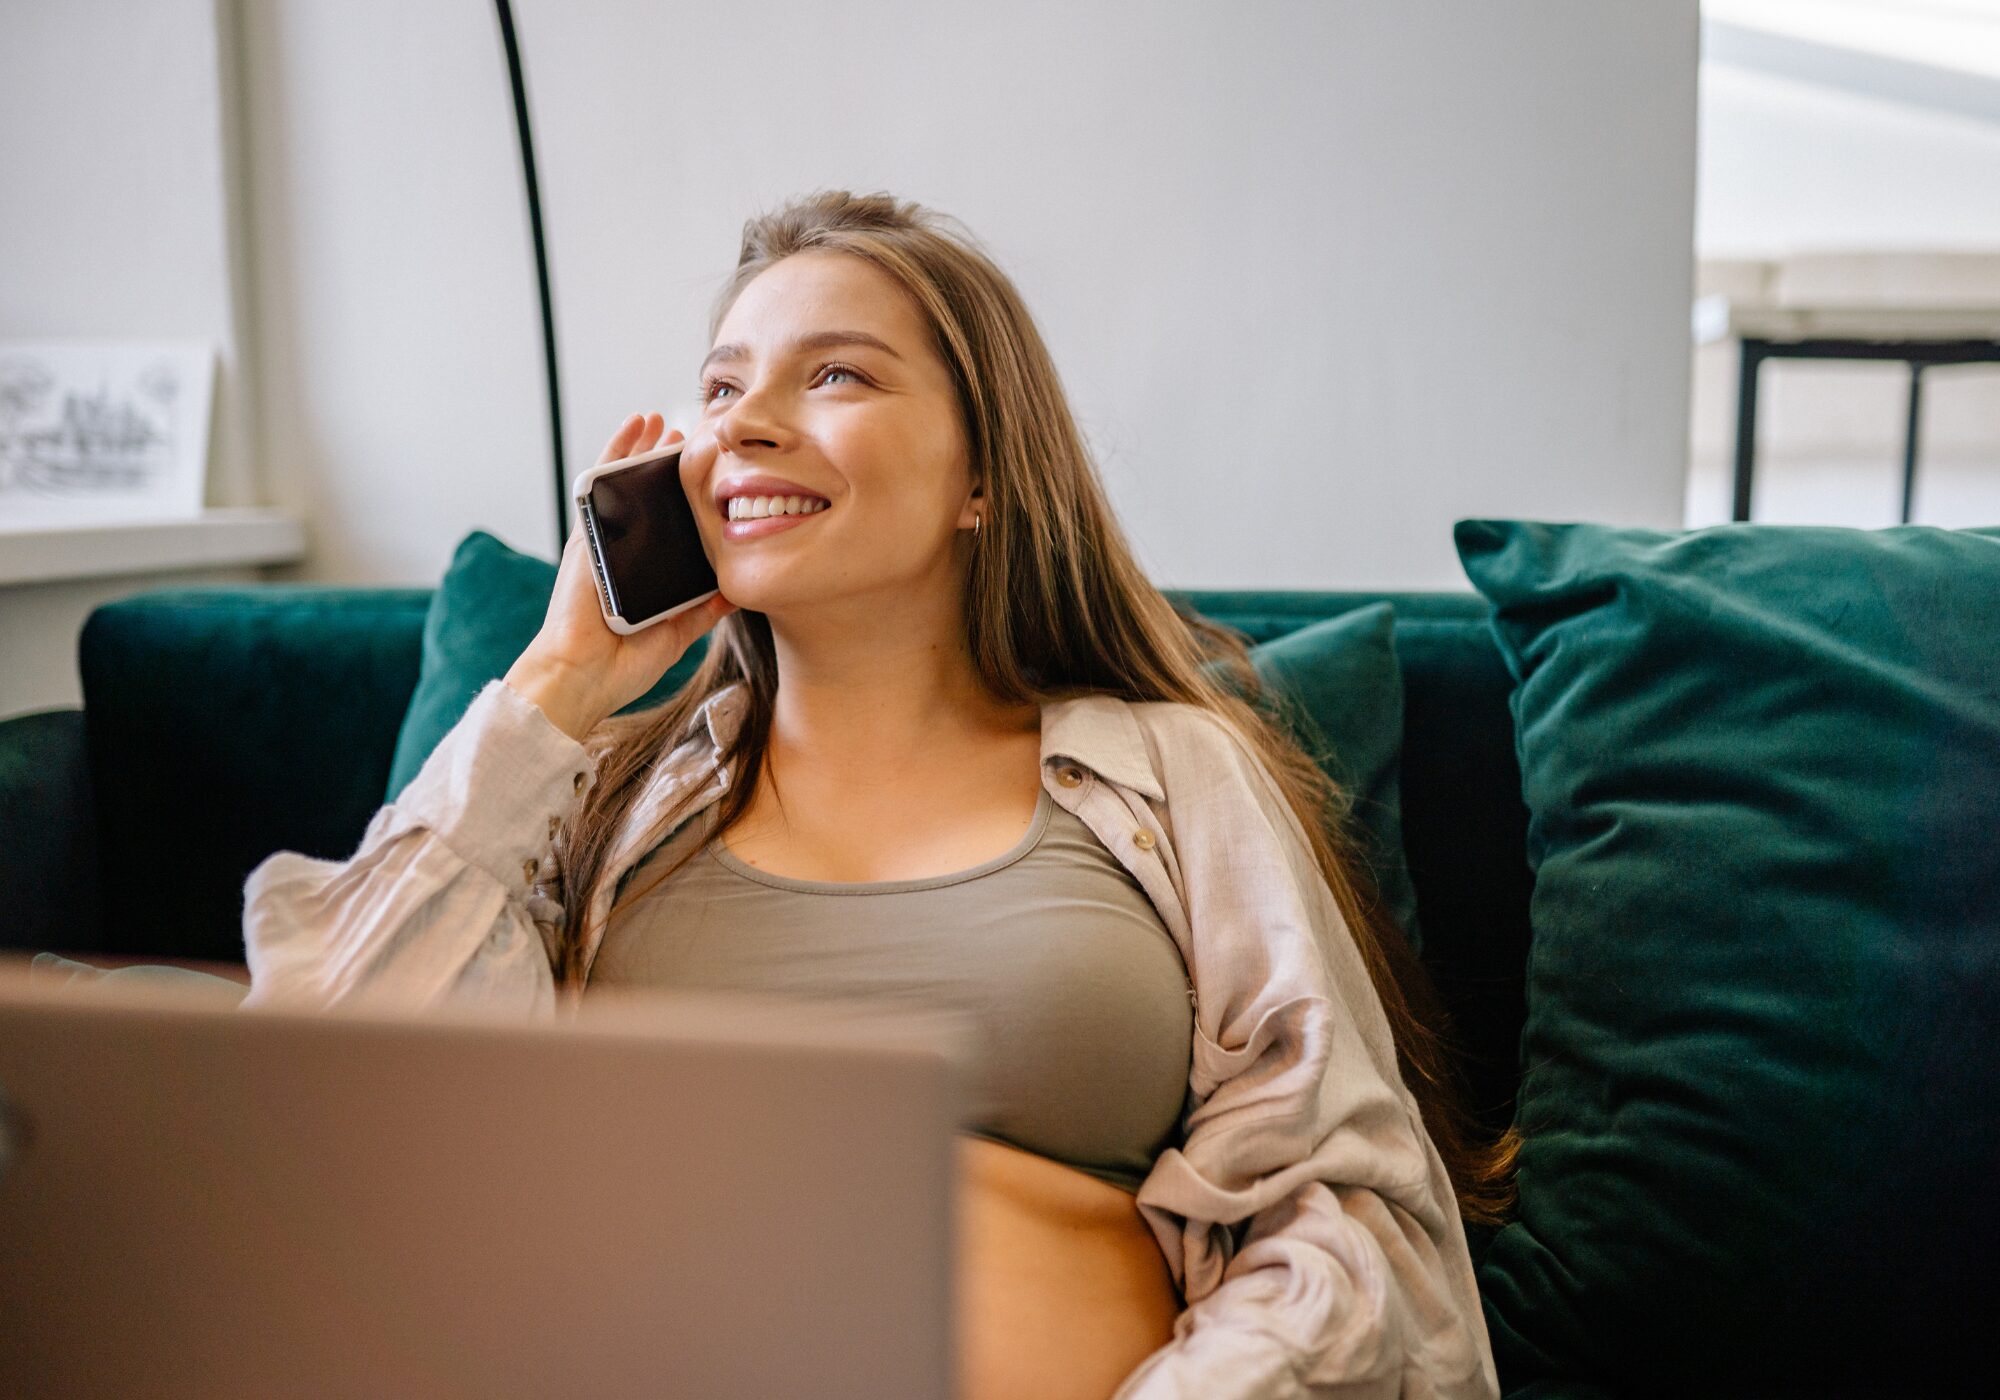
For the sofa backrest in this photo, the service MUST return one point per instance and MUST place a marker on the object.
(228, 722)
(1465, 827)
(225, 723)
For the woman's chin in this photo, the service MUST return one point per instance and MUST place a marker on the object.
(759, 595)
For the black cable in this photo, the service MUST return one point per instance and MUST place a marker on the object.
(506, 13)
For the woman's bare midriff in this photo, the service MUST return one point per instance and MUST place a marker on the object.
(1062, 1289)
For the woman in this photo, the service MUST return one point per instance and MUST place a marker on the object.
(1219, 1150)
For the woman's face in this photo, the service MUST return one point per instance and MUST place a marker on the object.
(790, 405)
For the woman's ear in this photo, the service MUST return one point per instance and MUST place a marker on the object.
(975, 505)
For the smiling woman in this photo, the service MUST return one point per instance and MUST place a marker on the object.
(949, 745)
(899, 654)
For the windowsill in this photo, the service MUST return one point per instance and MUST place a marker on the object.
(220, 536)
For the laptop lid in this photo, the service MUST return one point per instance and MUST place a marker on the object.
(697, 1195)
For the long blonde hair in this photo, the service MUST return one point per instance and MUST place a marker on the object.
(1055, 607)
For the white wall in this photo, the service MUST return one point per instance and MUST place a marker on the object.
(399, 343)
(118, 224)
(1320, 277)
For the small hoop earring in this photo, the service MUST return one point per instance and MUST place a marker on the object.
(976, 518)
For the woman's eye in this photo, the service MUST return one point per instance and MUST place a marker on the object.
(709, 389)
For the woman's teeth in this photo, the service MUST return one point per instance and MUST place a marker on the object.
(757, 507)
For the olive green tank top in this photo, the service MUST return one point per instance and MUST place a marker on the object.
(1074, 990)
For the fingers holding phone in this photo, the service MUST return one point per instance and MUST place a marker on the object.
(636, 434)
(634, 588)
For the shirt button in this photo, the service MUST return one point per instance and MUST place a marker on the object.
(528, 871)
(1143, 839)
(1069, 777)
(555, 824)
(577, 785)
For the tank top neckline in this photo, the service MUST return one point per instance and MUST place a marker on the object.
(1037, 825)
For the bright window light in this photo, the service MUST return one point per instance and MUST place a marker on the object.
(1957, 34)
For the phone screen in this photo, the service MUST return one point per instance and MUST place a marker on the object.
(647, 539)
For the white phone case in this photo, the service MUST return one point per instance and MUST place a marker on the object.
(581, 491)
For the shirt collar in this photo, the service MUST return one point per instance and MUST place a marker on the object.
(1098, 731)
(1101, 732)
(722, 712)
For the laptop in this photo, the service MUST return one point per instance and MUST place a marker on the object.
(693, 1194)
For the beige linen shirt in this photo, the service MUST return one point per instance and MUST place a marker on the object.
(1305, 1213)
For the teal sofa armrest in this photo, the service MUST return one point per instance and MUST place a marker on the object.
(227, 722)
(48, 835)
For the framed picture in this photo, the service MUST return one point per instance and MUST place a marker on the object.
(103, 433)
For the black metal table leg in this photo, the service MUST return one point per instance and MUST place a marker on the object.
(1910, 438)
(1918, 354)
(1750, 356)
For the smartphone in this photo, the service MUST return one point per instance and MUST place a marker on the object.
(644, 545)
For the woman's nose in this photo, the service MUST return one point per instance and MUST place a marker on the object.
(749, 422)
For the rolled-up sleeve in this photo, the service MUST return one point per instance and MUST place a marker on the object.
(447, 896)
(1307, 1215)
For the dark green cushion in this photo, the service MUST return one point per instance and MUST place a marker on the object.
(1762, 1053)
(1341, 693)
(482, 617)
(48, 834)
(226, 722)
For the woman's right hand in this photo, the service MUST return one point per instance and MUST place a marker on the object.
(577, 669)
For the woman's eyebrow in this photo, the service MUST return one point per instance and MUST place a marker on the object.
(818, 340)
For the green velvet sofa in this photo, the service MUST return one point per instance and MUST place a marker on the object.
(1739, 782)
